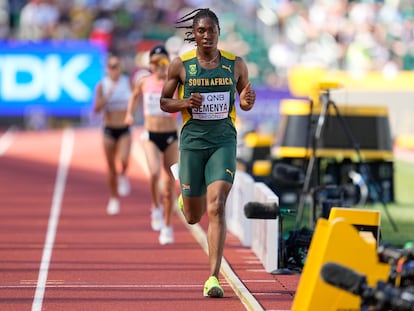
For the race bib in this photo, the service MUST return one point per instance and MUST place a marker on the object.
(214, 106)
(152, 104)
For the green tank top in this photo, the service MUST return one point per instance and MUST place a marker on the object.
(213, 124)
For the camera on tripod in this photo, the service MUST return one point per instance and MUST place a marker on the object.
(345, 146)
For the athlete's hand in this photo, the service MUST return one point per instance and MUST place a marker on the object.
(247, 97)
(194, 101)
(129, 119)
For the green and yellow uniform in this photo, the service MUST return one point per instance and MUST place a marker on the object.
(208, 135)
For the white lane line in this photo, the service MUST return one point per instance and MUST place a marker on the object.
(66, 150)
(236, 284)
(6, 140)
(97, 286)
(259, 281)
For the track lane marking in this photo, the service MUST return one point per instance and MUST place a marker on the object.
(6, 140)
(68, 139)
(246, 297)
(63, 284)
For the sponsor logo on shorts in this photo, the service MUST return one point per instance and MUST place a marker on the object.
(170, 139)
(185, 187)
(230, 172)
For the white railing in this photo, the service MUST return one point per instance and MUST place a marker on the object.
(261, 235)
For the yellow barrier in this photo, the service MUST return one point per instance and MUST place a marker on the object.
(337, 240)
(308, 81)
(258, 140)
(262, 168)
(364, 220)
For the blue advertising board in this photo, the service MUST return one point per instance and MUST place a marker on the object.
(59, 77)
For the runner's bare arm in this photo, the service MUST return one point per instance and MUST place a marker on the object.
(176, 74)
(100, 100)
(133, 102)
(246, 94)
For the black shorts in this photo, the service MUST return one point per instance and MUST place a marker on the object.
(116, 133)
(163, 139)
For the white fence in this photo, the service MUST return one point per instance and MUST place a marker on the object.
(261, 235)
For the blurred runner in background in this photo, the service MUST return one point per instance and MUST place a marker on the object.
(111, 98)
(160, 141)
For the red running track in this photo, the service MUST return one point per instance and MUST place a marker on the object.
(60, 251)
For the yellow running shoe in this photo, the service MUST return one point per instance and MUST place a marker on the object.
(180, 203)
(212, 288)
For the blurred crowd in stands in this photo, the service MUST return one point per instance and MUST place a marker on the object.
(271, 35)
